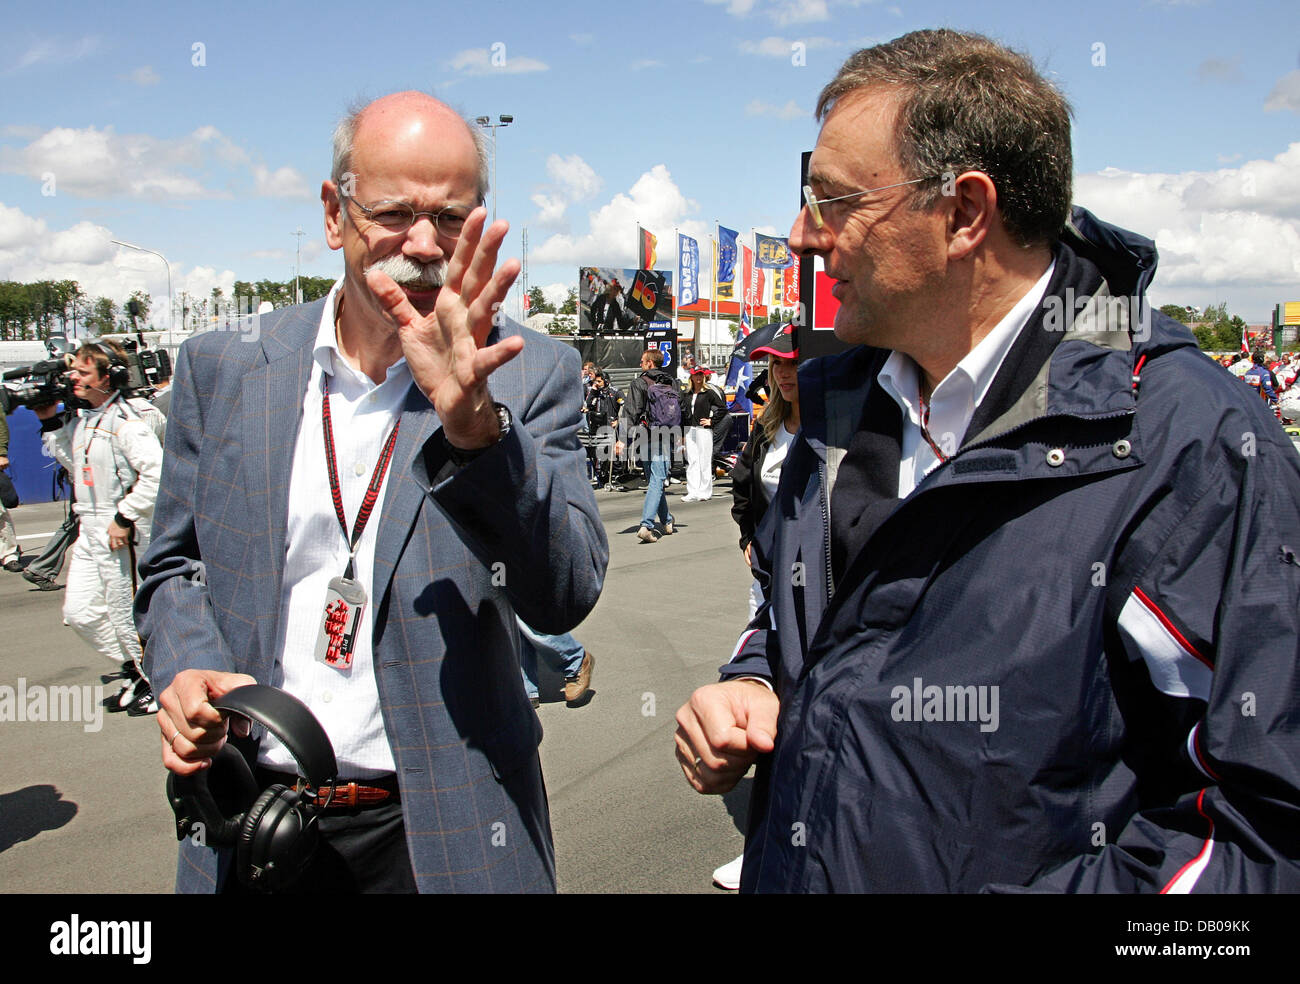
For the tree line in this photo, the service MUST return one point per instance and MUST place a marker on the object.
(35, 311)
(1215, 329)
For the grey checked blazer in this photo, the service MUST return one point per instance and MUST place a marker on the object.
(446, 660)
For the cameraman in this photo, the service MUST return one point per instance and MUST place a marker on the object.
(600, 410)
(10, 555)
(114, 456)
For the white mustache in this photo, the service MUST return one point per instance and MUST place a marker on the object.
(408, 273)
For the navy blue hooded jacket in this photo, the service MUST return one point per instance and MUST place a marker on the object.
(1067, 661)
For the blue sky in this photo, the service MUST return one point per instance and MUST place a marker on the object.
(203, 131)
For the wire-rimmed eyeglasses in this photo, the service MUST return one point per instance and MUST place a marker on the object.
(814, 203)
(400, 216)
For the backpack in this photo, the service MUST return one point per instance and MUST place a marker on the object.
(663, 408)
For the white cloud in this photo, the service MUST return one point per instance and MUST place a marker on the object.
(556, 294)
(18, 229)
(574, 175)
(95, 163)
(737, 8)
(798, 11)
(550, 209)
(654, 201)
(775, 47)
(482, 61)
(645, 63)
(1234, 227)
(790, 111)
(30, 251)
(283, 182)
(54, 52)
(144, 75)
(574, 181)
(84, 242)
(584, 38)
(1286, 93)
(1219, 70)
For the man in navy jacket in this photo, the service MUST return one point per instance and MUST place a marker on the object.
(1032, 585)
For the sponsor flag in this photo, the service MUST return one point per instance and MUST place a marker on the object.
(726, 262)
(778, 290)
(747, 275)
(753, 280)
(645, 245)
(773, 253)
(1245, 340)
(688, 270)
(790, 283)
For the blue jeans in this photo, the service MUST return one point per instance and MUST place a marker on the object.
(562, 652)
(656, 504)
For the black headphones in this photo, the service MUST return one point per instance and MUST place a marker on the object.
(273, 830)
(119, 374)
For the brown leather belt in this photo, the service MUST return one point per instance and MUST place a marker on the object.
(347, 794)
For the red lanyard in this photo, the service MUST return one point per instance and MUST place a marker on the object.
(376, 478)
(925, 429)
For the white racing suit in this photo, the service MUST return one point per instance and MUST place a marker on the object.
(114, 455)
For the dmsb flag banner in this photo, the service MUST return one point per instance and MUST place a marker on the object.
(688, 270)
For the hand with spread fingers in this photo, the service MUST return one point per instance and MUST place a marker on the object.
(447, 350)
(192, 729)
(722, 730)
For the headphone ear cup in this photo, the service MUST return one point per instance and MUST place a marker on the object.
(275, 840)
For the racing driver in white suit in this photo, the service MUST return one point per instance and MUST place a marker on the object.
(114, 454)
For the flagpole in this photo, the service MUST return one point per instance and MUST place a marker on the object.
(677, 288)
(713, 297)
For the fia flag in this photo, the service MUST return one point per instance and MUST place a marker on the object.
(645, 245)
(773, 253)
(726, 262)
(688, 270)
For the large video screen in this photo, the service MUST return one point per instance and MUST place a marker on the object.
(612, 300)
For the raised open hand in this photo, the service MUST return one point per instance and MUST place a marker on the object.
(447, 350)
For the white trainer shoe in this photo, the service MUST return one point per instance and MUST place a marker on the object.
(728, 876)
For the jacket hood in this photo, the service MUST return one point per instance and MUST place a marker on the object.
(659, 376)
(1127, 263)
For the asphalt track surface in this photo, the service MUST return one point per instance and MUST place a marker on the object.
(83, 810)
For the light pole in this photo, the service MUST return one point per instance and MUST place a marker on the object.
(171, 311)
(505, 119)
(297, 296)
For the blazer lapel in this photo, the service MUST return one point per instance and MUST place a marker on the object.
(403, 497)
(273, 395)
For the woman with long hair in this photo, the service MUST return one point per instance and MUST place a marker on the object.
(757, 472)
(754, 479)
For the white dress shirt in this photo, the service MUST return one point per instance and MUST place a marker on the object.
(362, 414)
(953, 402)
